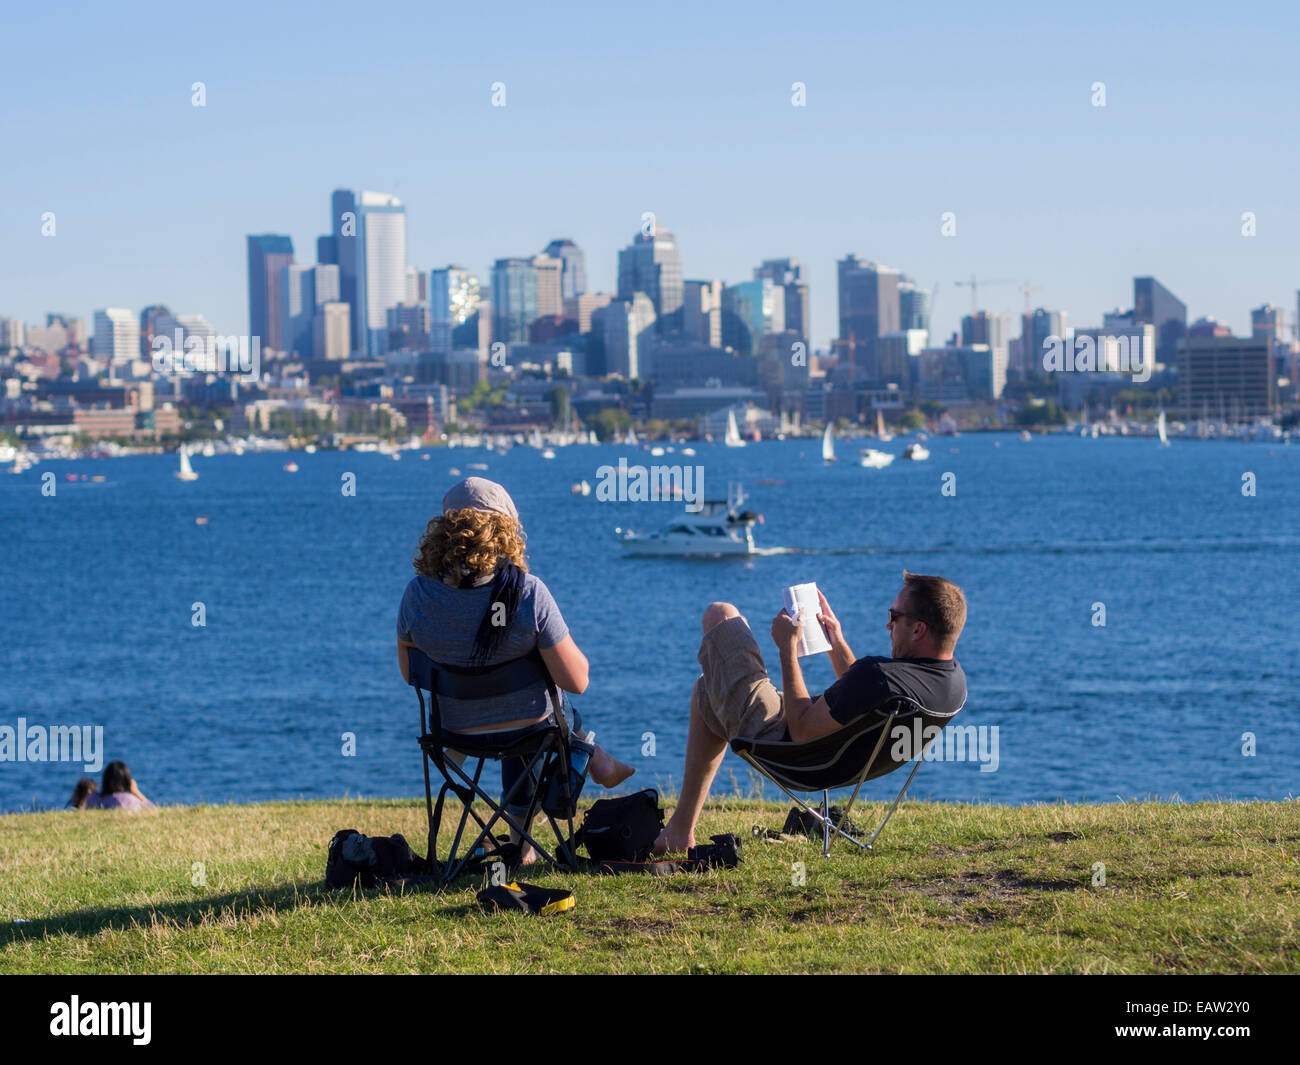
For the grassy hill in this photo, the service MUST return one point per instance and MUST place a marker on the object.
(1203, 887)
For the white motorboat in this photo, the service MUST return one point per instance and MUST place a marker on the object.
(874, 459)
(720, 528)
(186, 472)
(916, 452)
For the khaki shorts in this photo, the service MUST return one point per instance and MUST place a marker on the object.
(734, 694)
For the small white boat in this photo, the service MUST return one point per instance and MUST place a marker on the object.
(630, 438)
(548, 454)
(209, 450)
(874, 459)
(478, 465)
(656, 451)
(1161, 430)
(732, 437)
(916, 452)
(720, 528)
(290, 467)
(1024, 435)
(828, 444)
(581, 488)
(186, 472)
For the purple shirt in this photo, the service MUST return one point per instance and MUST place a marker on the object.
(119, 800)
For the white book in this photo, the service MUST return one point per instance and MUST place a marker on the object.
(813, 639)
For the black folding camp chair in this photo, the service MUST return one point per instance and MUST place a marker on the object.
(860, 751)
(544, 747)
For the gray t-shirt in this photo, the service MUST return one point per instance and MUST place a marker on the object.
(441, 621)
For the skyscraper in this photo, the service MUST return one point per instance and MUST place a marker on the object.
(549, 300)
(453, 300)
(342, 248)
(1035, 330)
(514, 299)
(1267, 321)
(625, 326)
(148, 317)
(868, 308)
(702, 311)
(750, 311)
(581, 307)
(1153, 304)
(913, 306)
(787, 274)
(651, 264)
(298, 294)
(993, 330)
(117, 335)
(573, 271)
(381, 265)
(268, 255)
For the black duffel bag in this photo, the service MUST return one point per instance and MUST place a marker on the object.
(622, 829)
(369, 859)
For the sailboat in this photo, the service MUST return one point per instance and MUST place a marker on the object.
(732, 439)
(882, 434)
(630, 439)
(1160, 430)
(186, 472)
(828, 444)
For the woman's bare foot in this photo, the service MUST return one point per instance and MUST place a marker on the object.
(608, 771)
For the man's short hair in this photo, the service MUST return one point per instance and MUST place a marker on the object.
(940, 604)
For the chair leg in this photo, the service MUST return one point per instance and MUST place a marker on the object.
(894, 805)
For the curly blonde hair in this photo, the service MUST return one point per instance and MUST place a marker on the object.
(476, 539)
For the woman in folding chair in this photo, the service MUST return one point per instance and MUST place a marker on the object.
(734, 698)
(474, 604)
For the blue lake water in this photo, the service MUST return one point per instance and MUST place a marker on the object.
(300, 584)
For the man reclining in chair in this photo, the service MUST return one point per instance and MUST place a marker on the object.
(735, 697)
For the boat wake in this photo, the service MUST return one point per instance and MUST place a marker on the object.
(1128, 547)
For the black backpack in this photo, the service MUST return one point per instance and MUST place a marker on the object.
(369, 859)
(622, 829)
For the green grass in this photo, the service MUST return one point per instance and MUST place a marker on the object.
(1203, 887)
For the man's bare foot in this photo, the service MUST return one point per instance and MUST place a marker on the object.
(671, 841)
(608, 771)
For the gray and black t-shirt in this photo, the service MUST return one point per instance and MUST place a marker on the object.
(442, 620)
(938, 684)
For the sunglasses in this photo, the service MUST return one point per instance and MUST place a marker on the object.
(894, 615)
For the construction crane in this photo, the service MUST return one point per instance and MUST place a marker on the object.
(974, 290)
(1027, 288)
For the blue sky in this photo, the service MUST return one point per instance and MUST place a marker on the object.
(910, 113)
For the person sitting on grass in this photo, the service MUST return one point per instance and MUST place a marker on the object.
(119, 791)
(734, 697)
(474, 603)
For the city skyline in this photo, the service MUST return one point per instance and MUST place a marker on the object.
(1045, 187)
